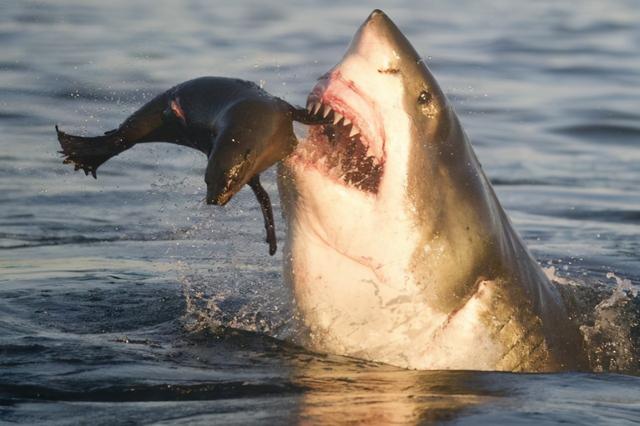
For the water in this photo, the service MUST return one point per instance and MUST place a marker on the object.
(127, 300)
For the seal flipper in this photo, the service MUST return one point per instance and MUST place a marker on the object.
(88, 153)
(267, 212)
(159, 120)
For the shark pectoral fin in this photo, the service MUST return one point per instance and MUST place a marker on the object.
(267, 212)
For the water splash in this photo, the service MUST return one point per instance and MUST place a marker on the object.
(216, 308)
(608, 314)
(608, 317)
(232, 283)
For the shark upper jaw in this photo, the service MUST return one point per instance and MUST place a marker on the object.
(337, 97)
(350, 150)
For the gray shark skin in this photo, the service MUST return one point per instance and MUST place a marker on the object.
(397, 247)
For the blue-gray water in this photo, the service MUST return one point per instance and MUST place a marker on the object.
(127, 300)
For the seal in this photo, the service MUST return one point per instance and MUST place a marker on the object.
(397, 248)
(241, 128)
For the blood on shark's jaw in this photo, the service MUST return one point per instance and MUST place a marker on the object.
(350, 150)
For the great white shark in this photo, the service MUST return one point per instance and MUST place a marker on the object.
(397, 248)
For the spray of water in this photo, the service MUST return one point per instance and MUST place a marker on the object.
(608, 314)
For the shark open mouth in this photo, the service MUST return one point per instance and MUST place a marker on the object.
(351, 148)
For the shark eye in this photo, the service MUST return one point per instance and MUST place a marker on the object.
(424, 97)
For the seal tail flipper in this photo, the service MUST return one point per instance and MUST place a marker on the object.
(267, 212)
(88, 153)
(155, 121)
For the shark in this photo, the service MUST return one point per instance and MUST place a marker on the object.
(397, 249)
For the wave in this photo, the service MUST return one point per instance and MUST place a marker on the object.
(608, 318)
(603, 133)
(608, 215)
(139, 392)
(29, 240)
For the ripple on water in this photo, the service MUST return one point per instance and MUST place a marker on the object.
(603, 133)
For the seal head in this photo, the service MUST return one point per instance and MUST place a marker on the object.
(246, 145)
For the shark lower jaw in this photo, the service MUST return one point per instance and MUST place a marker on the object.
(351, 149)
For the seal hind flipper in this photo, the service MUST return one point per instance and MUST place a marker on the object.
(267, 212)
(156, 121)
(88, 153)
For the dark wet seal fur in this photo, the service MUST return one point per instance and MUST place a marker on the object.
(242, 129)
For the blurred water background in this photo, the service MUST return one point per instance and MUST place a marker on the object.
(127, 300)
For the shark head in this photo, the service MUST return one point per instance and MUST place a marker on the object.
(377, 95)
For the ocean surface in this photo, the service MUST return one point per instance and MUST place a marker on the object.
(127, 300)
